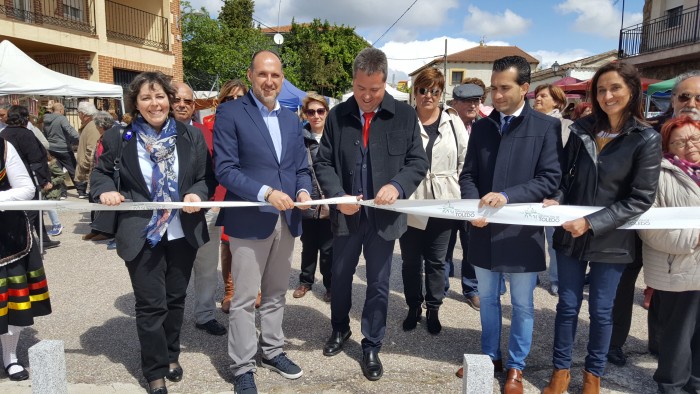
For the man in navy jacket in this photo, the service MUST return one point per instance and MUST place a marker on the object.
(513, 157)
(259, 155)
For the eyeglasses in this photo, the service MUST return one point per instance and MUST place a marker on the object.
(229, 98)
(680, 144)
(685, 97)
(312, 112)
(434, 91)
(186, 101)
(473, 101)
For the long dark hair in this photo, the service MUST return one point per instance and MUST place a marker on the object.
(635, 107)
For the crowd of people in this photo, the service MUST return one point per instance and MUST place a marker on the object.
(371, 147)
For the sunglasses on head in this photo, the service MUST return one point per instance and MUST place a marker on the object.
(685, 97)
(433, 91)
(229, 98)
(312, 112)
(186, 101)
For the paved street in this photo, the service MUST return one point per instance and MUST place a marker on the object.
(93, 314)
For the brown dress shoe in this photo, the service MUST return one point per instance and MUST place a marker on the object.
(226, 259)
(559, 382)
(514, 382)
(300, 291)
(497, 368)
(591, 383)
(89, 236)
(474, 302)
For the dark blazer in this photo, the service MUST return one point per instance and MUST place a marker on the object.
(397, 155)
(622, 178)
(245, 160)
(525, 165)
(194, 176)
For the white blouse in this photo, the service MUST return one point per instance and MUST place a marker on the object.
(22, 187)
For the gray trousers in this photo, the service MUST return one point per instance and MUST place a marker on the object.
(205, 270)
(262, 265)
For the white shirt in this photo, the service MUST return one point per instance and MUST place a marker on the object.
(20, 181)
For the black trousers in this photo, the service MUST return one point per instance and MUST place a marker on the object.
(679, 341)
(624, 300)
(159, 277)
(67, 160)
(429, 246)
(378, 253)
(469, 281)
(33, 217)
(316, 238)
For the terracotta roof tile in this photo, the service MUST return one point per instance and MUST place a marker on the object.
(483, 54)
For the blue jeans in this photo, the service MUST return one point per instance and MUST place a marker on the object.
(53, 216)
(604, 278)
(522, 286)
(553, 271)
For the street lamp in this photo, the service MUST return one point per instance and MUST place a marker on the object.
(555, 68)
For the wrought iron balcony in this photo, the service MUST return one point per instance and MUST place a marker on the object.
(671, 31)
(134, 25)
(78, 15)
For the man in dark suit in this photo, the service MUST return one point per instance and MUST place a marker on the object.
(513, 157)
(259, 155)
(371, 148)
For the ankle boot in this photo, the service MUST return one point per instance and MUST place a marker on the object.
(413, 318)
(226, 259)
(591, 383)
(559, 382)
(433, 319)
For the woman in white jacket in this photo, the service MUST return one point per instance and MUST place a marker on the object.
(672, 262)
(445, 141)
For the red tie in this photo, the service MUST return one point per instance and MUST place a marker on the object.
(365, 129)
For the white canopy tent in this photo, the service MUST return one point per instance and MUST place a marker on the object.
(401, 96)
(20, 74)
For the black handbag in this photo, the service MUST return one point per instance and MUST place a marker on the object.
(106, 221)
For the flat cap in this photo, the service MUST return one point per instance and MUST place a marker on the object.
(467, 91)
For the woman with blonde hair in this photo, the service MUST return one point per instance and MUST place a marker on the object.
(316, 237)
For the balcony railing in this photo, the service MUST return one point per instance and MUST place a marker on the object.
(667, 32)
(78, 15)
(134, 25)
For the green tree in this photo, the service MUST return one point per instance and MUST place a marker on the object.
(237, 14)
(212, 51)
(318, 56)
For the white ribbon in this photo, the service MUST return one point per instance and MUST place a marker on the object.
(519, 214)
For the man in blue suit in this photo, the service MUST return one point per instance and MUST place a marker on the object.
(259, 155)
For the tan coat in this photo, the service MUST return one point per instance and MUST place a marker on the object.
(89, 135)
(442, 179)
(672, 257)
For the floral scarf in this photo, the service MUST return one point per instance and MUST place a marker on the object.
(164, 187)
(692, 170)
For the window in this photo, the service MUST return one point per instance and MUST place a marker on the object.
(73, 9)
(456, 77)
(674, 17)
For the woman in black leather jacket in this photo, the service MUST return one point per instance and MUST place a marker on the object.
(612, 161)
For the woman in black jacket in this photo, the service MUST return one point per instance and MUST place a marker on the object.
(612, 161)
(316, 236)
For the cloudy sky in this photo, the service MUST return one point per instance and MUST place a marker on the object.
(550, 30)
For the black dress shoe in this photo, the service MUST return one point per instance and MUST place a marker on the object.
(17, 376)
(174, 373)
(157, 387)
(434, 326)
(212, 327)
(371, 365)
(335, 343)
(412, 319)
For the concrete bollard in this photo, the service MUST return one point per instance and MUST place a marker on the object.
(478, 374)
(48, 368)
